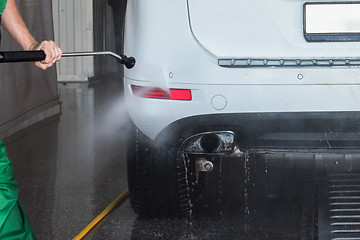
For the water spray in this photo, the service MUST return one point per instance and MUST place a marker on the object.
(34, 56)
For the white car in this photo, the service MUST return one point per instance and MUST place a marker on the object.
(218, 77)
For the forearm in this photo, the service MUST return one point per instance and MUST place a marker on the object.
(14, 24)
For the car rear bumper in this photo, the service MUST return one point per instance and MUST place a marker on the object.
(317, 131)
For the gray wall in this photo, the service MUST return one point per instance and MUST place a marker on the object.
(27, 94)
(108, 34)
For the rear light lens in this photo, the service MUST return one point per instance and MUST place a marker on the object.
(159, 93)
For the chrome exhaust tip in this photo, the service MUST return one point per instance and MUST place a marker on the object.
(210, 143)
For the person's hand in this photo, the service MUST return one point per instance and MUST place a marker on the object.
(52, 51)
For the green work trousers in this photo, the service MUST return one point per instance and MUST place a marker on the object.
(13, 222)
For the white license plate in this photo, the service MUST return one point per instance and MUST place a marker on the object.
(332, 21)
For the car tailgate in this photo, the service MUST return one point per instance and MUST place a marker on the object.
(259, 29)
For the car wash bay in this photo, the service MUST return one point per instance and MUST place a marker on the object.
(70, 169)
(71, 166)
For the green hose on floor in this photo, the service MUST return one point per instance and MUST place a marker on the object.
(13, 222)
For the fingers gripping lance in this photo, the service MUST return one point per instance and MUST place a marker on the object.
(33, 56)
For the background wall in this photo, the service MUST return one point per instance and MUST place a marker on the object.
(28, 94)
(108, 34)
(73, 28)
(88, 25)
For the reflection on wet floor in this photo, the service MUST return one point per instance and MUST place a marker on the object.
(71, 168)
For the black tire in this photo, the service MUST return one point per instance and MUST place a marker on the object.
(160, 180)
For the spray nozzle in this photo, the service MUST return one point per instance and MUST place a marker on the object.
(129, 62)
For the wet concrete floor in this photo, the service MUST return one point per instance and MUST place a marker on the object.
(72, 168)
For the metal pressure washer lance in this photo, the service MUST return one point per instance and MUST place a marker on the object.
(33, 56)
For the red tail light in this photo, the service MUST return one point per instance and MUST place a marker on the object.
(159, 93)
